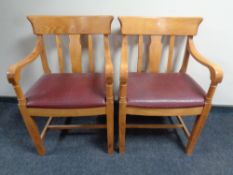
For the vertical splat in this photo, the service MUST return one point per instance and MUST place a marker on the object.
(60, 53)
(90, 54)
(43, 56)
(170, 56)
(155, 51)
(75, 53)
(140, 52)
(186, 58)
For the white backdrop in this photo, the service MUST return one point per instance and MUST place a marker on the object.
(214, 39)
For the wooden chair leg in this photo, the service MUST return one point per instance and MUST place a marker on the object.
(110, 127)
(197, 128)
(33, 131)
(122, 127)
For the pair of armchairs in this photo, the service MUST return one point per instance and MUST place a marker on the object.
(144, 93)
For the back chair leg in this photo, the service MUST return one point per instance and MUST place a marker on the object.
(197, 128)
(122, 127)
(33, 131)
(110, 127)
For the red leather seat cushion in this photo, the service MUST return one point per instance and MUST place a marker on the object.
(163, 90)
(67, 90)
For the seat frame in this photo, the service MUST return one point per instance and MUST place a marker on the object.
(73, 26)
(155, 27)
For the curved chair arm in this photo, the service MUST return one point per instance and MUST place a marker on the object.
(124, 61)
(108, 61)
(216, 73)
(123, 70)
(13, 73)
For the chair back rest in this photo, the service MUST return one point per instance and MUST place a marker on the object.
(74, 27)
(156, 28)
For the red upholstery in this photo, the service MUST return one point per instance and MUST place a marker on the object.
(163, 90)
(67, 91)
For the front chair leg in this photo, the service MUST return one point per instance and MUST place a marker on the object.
(110, 127)
(197, 128)
(122, 127)
(33, 131)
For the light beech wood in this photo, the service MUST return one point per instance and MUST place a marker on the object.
(32, 129)
(45, 129)
(108, 62)
(81, 126)
(43, 56)
(140, 53)
(186, 130)
(71, 24)
(75, 53)
(185, 59)
(154, 126)
(170, 56)
(73, 27)
(90, 54)
(155, 52)
(216, 72)
(157, 28)
(164, 111)
(80, 112)
(60, 53)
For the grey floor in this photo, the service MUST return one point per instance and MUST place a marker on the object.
(147, 151)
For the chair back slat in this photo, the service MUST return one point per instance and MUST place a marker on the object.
(73, 27)
(155, 51)
(159, 26)
(71, 24)
(43, 56)
(90, 54)
(124, 59)
(60, 53)
(140, 53)
(156, 29)
(75, 53)
(170, 55)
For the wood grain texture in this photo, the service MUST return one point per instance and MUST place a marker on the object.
(80, 126)
(60, 53)
(90, 54)
(108, 61)
(159, 26)
(154, 126)
(164, 112)
(184, 66)
(80, 112)
(45, 129)
(75, 53)
(71, 24)
(170, 55)
(124, 60)
(185, 128)
(155, 52)
(43, 56)
(216, 72)
(140, 53)
(156, 28)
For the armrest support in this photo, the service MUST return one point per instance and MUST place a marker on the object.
(124, 62)
(108, 62)
(123, 70)
(216, 73)
(13, 73)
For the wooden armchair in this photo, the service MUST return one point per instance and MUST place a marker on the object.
(62, 94)
(151, 93)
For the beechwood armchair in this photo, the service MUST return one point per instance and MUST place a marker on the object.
(151, 93)
(63, 94)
